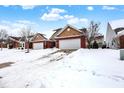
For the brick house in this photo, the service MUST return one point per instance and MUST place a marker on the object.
(13, 42)
(39, 41)
(69, 37)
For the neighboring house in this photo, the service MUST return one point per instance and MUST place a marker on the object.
(39, 41)
(69, 37)
(24, 43)
(3, 44)
(99, 38)
(112, 35)
(13, 42)
(18, 42)
(121, 39)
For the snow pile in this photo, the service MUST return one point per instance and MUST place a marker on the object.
(15, 55)
(82, 68)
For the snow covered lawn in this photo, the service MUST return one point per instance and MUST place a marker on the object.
(49, 68)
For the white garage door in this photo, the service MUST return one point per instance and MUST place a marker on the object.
(69, 44)
(38, 45)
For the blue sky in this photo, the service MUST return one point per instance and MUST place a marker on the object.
(46, 18)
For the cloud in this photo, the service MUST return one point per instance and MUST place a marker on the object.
(75, 20)
(108, 8)
(25, 7)
(25, 22)
(68, 16)
(57, 11)
(90, 8)
(13, 28)
(53, 15)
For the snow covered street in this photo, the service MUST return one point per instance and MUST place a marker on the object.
(51, 68)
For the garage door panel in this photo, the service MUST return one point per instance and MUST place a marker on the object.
(37, 45)
(69, 44)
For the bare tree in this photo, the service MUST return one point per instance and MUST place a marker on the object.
(26, 33)
(3, 37)
(92, 31)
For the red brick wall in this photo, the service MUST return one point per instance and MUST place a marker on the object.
(83, 42)
(15, 45)
(121, 41)
(3, 45)
(57, 43)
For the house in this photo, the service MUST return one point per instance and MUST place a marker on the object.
(3, 44)
(39, 41)
(69, 37)
(120, 39)
(13, 42)
(113, 33)
(24, 43)
(18, 42)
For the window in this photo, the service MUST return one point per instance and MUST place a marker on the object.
(68, 29)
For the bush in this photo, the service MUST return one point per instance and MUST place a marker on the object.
(95, 45)
(103, 46)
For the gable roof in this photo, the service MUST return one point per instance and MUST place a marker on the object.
(55, 33)
(117, 24)
(70, 27)
(60, 30)
(40, 35)
(15, 39)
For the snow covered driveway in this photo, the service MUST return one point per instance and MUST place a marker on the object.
(48, 68)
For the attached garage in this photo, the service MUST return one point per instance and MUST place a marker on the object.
(39, 41)
(70, 43)
(38, 45)
(70, 38)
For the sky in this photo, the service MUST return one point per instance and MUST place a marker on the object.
(46, 18)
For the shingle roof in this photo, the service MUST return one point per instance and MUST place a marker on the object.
(55, 34)
(117, 24)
